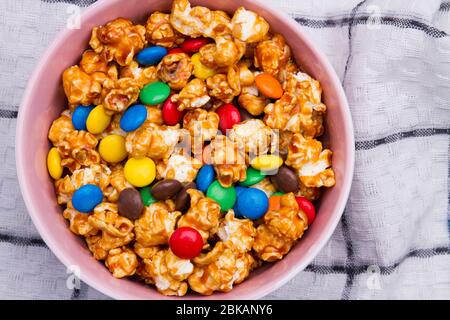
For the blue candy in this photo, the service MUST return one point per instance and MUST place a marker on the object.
(239, 190)
(79, 117)
(133, 117)
(87, 197)
(205, 177)
(152, 55)
(252, 203)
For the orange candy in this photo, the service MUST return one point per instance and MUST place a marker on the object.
(269, 86)
(274, 203)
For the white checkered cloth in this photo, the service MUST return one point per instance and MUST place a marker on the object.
(393, 58)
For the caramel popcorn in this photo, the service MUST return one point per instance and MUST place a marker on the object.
(236, 234)
(201, 124)
(253, 134)
(219, 88)
(78, 222)
(270, 246)
(169, 272)
(190, 21)
(141, 76)
(156, 224)
(228, 159)
(92, 62)
(310, 193)
(154, 115)
(219, 25)
(121, 262)
(160, 32)
(265, 186)
(228, 51)
(179, 167)
(244, 264)
(207, 54)
(80, 87)
(248, 26)
(203, 215)
(118, 183)
(119, 40)
(252, 101)
(120, 95)
(145, 252)
(310, 161)
(175, 69)
(288, 221)
(193, 95)
(59, 128)
(271, 56)
(281, 112)
(78, 148)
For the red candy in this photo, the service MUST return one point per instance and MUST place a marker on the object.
(307, 207)
(228, 116)
(186, 243)
(193, 45)
(170, 113)
(175, 50)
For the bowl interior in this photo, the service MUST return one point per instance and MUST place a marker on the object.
(44, 100)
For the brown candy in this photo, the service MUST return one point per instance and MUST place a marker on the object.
(130, 203)
(285, 180)
(166, 189)
(183, 199)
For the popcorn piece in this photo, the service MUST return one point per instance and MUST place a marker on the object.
(193, 95)
(119, 95)
(271, 56)
(219, 88)
(288, 221)
(248, 26)
(310, 193)
(145, 252)
(220, 25)
(121, 262)
(154, 115)
(80, 87)
(228, 51)
(160, 32)
(169, 272)
(310, 161)
(228, 159)
(207, 54)
(203, 215)
(270, 246)
(179, 167)
(118, 183)
(253, 134)
(78, 148)
(175, 69)
(236, 234)
(280, 113)
(202, 126)
(265, 186)
(244, 264)
(78, 222)
(141, 76)
(59, 128)
(92, 62)
(156, 142)
(156, 224)
(118, 40)
(97, 174)
(251, 101)
(190, 21)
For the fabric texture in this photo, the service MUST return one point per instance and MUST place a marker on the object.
(393, 58)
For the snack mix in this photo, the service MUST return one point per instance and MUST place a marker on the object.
(188, 153)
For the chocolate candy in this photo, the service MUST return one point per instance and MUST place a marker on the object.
(79, 117)
(252, 203)
(285, 180)
(186, 243)
(194, 45)
(130, 203)
(253, 177)
(154, 93)
(268, 85)
(151, 55)
(133, 117)
(146, 196)
(183, 199)
(225, 197)
(87, 197)
(205, 177)
(166, 189)
(228, 116)
(170, 113)
(307, 207)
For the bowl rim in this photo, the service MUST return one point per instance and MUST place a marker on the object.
(20, 143)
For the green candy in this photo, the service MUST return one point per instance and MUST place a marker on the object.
(278, 193)
(225, 197)
(154, 93)
(147, 198)
(253, 177)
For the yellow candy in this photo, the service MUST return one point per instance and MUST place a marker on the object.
(97, 120)
(112, 148)
(54, 164)
(266, 162)
(140, 172)
(200, 70)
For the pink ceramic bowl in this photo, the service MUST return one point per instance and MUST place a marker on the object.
(44, 100)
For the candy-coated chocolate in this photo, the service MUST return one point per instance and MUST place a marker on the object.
(166, 189)
(253, 177)
(200, 70)
(154, 93)
(79, 117)
(239, 190)
(307, 207)
(205, 177)
(269, 86)
(228, 116)
(266, 162)
(151, 55)
(130, 203)
(225, 197)
(183, 199)
(54, 166)
(97, 120)
(194, 45)
(252, 203)
(146, 196)
(112, 148)
(87, 197)
(133, 117)
(140, 172)
(285, 180)
(170, 113)
(186, 243)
